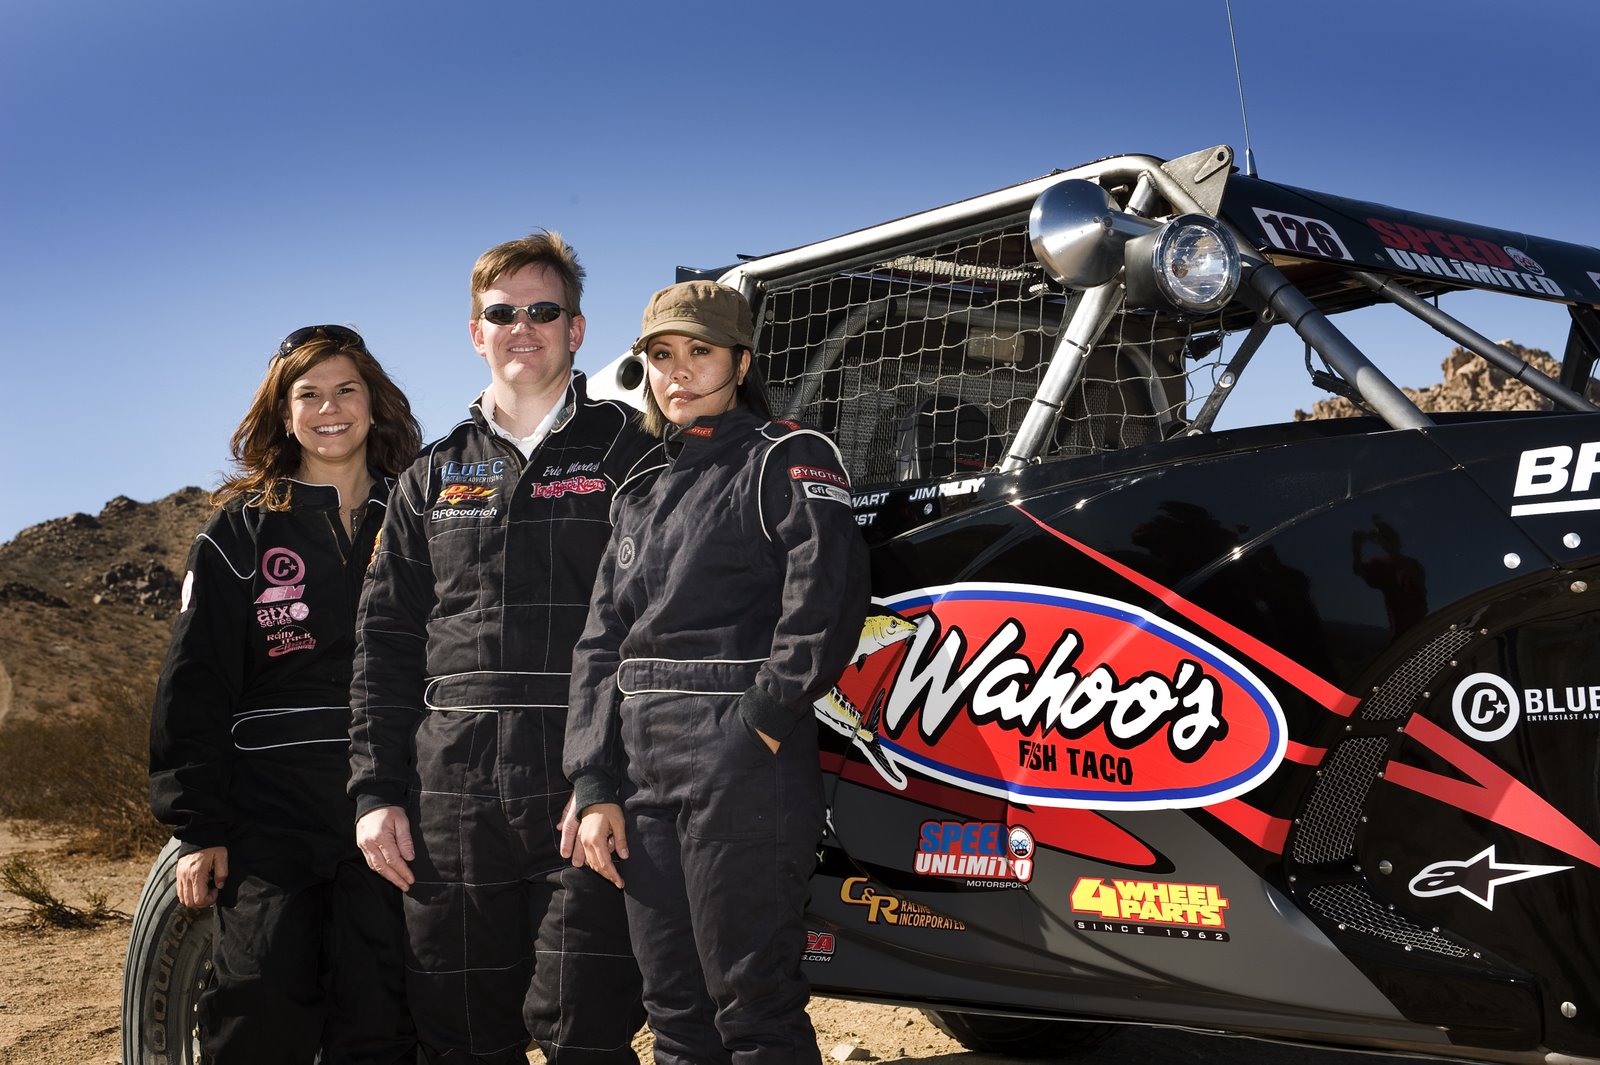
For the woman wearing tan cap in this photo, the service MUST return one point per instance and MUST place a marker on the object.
(730, 597)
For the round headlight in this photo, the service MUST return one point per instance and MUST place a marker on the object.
(1196, 263)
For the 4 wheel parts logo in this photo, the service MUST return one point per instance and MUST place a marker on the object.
(1156, 908)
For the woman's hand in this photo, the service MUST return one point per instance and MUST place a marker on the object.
(201, 875)
(568, 827)
(600, 836)
(384, 836)
(772, 744)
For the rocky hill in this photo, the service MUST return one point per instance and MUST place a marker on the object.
(1470, 384)
(87, 599)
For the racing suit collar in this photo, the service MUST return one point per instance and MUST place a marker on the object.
(310, 495)
(706, 433)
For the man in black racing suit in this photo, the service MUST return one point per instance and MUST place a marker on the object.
(477, 594)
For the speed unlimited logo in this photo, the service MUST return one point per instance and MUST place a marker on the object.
(980, 853)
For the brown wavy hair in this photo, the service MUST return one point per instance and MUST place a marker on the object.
(265, 457)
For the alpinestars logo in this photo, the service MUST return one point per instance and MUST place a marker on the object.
(1476, 878)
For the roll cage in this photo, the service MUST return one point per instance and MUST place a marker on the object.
(938, 343)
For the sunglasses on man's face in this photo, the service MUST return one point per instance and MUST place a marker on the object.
(339, 334)
(505, 314)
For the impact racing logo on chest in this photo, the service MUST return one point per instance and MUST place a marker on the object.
(557, 489)
(1047, 697)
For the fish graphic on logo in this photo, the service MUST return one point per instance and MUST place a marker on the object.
(455, 494)
(880, 630)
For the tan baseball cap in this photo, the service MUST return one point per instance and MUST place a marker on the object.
(704, 310)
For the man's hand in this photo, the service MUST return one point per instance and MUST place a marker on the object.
(201, 875)
(600, 836)
(384, 836)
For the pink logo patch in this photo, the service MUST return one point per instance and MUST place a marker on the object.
(579, 485)
(282, 566)
(287, 641)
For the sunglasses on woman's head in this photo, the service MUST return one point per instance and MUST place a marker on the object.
(505, 314)
(339, 334)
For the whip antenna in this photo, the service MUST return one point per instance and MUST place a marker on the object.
(1249, 154)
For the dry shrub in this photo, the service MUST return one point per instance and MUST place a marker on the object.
(86, 772)
(20, 877)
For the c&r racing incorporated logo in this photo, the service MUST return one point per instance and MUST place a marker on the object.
(892, 909)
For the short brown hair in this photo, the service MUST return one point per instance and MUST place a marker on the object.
(265, 457)
(543, 248)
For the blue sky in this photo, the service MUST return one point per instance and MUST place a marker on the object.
(183, 182)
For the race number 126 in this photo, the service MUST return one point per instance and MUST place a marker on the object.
(1297, 233)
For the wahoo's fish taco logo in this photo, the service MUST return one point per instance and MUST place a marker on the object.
(1048, 697)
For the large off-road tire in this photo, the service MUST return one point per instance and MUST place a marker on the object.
(169, 964)
(1020, 1037)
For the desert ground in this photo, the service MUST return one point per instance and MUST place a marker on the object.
(60, 990)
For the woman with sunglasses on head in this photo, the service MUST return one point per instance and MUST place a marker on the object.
(731, 596)
(249, 736)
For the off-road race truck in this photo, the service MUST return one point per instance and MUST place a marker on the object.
(1286, 731)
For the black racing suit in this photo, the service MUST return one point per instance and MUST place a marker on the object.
(249, 749)
(478, 592)
(730, 597)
